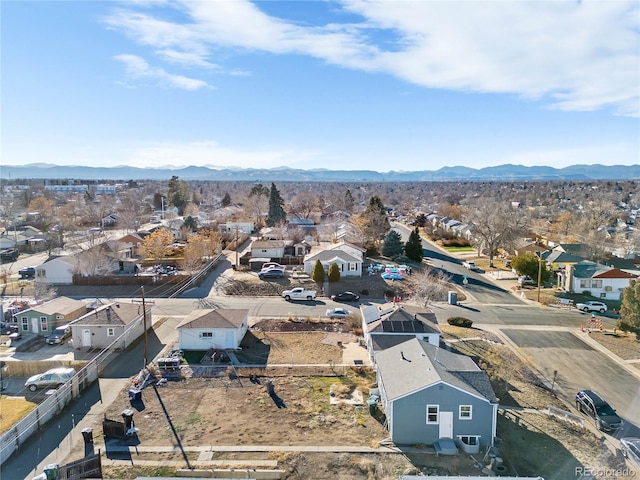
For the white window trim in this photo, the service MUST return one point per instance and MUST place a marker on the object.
(206, 334)
(44, 324)
(111, 332)
(466, 439)
(465, 417)
(437, 420)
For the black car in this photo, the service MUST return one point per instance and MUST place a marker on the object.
(29, 272)
(593, 405)
(345, 297)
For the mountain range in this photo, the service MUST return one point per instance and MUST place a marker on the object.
(284, 174)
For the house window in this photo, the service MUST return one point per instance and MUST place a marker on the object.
(469, 439)
(111, 332)
(41, 273)
(353, 267)
(25, 324)
(43, 324)
(59, 317)
(465, 412)
(585, 284)
(433, 413)
(596, 283)
(206, 334)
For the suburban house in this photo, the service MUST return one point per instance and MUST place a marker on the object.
(131, 242)
(220, 329)
(57, 270)
(267, 249)
(121, 322)
(233, 227)
(601, 281)
(349, 248)
(429, 393)
(349, 265)
(305, 224)
(559, 260)
(43, 319)
(387, 326)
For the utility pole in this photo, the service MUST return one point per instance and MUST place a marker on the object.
(144, 317)
(539, 254)
(237, 246)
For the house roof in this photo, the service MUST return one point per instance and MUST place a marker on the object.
(588, 269)
(558, 256)
(403, 321)
(415, 365)
(267, 244)
(328, 255)
(112, 314)
(61, 258)
(215, 318)
(341, 244)
(621, 263)
(130, 238)
(57, 306)
(371, 313)
(615, 273)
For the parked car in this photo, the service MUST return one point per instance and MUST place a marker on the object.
(526, 281)
(630, 449)
(589, 402)
(345, 297)
(338, 313)
(392, 274)
(271, 273)
(269, 265)
(9, 255)
(59, 335)
(29, 272)
(592, 307)
(51, 378)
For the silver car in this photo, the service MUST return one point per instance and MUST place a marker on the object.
(630, 448)
(51, 378)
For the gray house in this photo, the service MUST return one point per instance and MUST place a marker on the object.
(429, 394)
(101, 327)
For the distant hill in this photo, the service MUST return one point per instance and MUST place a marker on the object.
(285, 174)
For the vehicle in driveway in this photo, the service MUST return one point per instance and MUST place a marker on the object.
(338, 313)
(29, 272)
(592, 307)
(51, 378)
(630, 449)
(271, 273)
(606, 418)
(345, 297)
(59, 335)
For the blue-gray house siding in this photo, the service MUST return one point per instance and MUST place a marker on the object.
(408, 421)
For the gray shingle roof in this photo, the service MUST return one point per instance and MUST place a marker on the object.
(113, 314)
(215, 318)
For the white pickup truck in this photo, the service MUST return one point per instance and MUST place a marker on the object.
(299, 293)
(469, 265)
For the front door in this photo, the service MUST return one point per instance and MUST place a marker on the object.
(34, 326)
(86, 337)
(446, 425)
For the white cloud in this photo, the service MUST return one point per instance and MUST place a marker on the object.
(138, 68)
(211, 153)
(575, 56)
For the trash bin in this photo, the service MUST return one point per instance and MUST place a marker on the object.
(87, 435)
(127, 415)
(453, 298)
(51, 471)
(135, 394)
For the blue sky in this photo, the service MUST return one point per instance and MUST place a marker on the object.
(340, 85)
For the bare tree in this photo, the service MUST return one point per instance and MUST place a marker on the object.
(429, 285)
(496, 224)
(93, 262)
(304, 204)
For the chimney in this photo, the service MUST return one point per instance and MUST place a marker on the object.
(108, 313)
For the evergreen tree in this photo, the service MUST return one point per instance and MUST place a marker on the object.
(276, 210)
(317, 274)
(630, 309)
(374, 220)
(226, 200)
(413, 247)
(392, 246)
(178, 193)
(349, 202)
(334, 273)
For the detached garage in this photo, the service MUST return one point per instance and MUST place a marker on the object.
(219, 329)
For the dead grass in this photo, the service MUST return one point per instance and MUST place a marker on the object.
(624, 345)
(12, 410)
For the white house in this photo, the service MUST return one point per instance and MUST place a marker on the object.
(350, 248)
(220, 329)
(57, 270)
(233, 227)
(349, 265)
(267, 249)
(601, 281)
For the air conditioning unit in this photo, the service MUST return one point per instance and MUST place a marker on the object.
(608, 289)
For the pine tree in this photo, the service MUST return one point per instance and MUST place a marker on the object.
(276, 210)
(317, 274)
(413, 247)
(226, 200)
(392, 246)
(630, 309)
(334, 273)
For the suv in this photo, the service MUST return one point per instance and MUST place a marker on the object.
(51, 378)
(29, 272)
(593, 405)
(271, 273)
(592, 307)
(59, 335)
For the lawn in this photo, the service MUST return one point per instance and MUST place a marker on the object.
(460, 249)
(12, 410)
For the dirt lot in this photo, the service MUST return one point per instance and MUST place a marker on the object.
(239, 411)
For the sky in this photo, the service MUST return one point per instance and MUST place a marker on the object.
(340, 85)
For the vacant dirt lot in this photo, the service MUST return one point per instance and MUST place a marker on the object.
(240, 411)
